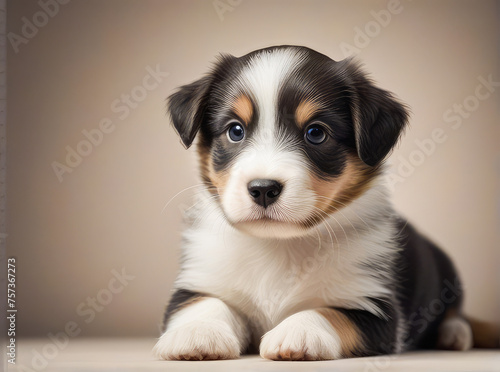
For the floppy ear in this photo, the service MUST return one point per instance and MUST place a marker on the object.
(377, 116)
(186, 108)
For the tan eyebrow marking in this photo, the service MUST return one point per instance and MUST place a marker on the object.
(243, 108)
(305, 110)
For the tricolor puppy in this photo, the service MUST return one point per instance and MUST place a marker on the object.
(293, 247)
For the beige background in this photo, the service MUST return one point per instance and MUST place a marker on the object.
(108, 213)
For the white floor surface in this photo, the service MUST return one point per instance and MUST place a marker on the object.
(103, 355)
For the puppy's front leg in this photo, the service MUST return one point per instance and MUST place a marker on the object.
(201, 328)
(328, 333)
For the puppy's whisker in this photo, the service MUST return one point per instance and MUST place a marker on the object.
(337, 210)
(322, 216)
(357, 214)
(210, 208)
(328, 228)
(337, 221)
(210, 198)
(319, 214)
(179, 193)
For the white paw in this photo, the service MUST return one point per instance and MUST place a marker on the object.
(303, 336)
(198, 340)
(455, 334)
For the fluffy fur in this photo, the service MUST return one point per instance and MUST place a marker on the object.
(292, 246)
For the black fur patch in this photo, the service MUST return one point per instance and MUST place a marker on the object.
(178, 299)
(428, 287)
(314, 78)
(378, 334)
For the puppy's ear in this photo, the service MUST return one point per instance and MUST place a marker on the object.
(378, 117)
(186, 108)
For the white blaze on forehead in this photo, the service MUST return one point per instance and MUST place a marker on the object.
(263, 78)
(265, 157)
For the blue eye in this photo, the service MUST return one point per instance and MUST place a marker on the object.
(236, 132)
(315, 134)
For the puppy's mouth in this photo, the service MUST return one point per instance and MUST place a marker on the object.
(273, 229)
(271, 224)
(271, 214)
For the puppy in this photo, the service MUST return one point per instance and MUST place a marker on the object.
(292, 247)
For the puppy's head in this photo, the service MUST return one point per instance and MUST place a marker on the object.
(287, 136)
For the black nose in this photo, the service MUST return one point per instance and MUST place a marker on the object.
(264, 192)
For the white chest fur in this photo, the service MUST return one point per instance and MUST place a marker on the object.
(267, 280)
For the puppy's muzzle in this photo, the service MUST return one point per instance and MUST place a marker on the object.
(264, 192)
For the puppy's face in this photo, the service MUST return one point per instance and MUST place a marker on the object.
(287, 136)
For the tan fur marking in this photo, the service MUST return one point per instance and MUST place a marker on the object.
(215, 181)
(204, 158)
(218, 179)
(485, 334)
(337, 193)
(305, 111)
(243, 108)
(350, 336)
(189, 302)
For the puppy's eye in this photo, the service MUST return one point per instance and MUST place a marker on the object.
(235, 133)
(315, 134)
